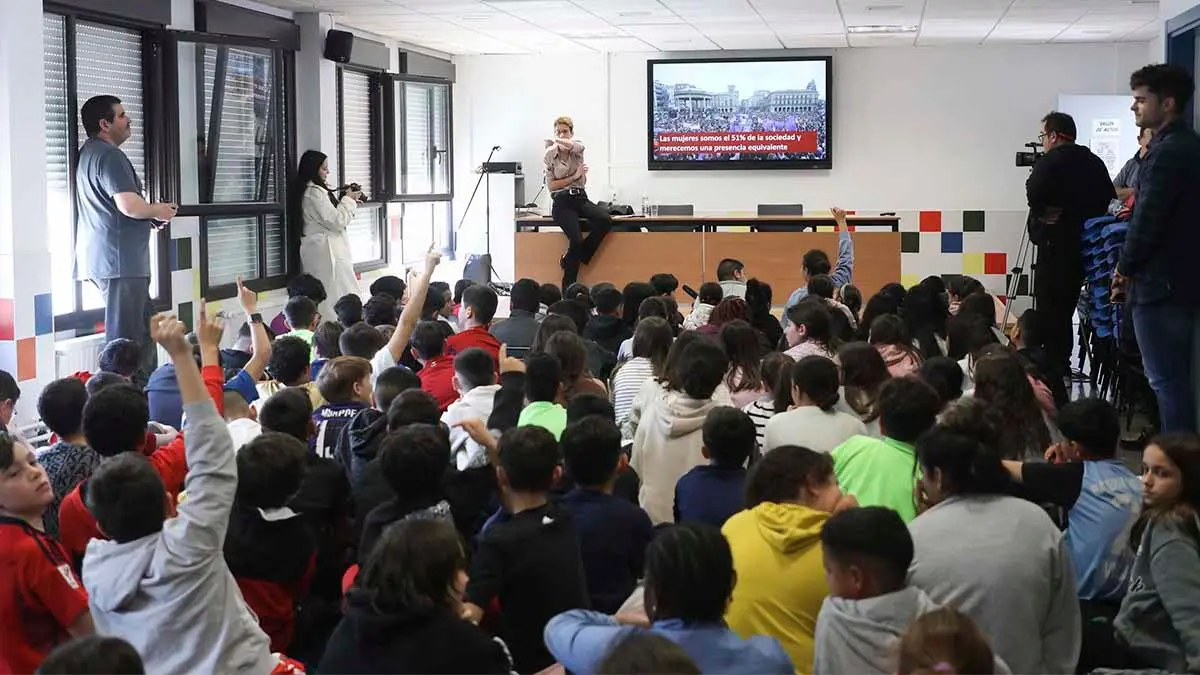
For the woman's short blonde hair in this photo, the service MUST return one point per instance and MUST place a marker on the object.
(565, 120)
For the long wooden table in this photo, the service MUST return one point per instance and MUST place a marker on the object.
(698, 223)
(773, 257)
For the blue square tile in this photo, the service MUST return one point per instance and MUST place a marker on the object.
(952, 242)
(43, 314)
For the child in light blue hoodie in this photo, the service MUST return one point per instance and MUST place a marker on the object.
(165, 587)
(689, 580)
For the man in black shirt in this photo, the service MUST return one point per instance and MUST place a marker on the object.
(1067, 186)
(530, 562)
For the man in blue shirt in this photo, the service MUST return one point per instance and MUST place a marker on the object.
(816, 262)
(114, 221)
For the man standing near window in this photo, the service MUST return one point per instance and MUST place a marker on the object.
(114, 222)
(1158, 261)
(1068, 186)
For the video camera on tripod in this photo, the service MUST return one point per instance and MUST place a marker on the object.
(1029, 158)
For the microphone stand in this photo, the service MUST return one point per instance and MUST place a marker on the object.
(484, 173)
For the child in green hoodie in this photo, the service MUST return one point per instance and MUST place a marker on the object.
(543, 386)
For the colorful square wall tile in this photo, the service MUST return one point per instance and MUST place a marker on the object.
(1022, 284)
(995, 263)
(952, 242)
(26, 359)
(8, 356)
(973, 221)
(7, 332)
(181, 254)
(910, 280)
(910, 242)
(931, 221)
(972, 264)
(43, 314)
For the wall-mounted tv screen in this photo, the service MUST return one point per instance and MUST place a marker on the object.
(743, 113)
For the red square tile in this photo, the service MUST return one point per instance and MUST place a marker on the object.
(7, 332)
(850, 228)
(26, 359)
(931, 221)
(995, 263)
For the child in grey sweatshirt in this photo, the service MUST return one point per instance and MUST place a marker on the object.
(1159, 621)
(867, 553)
(165, 587)
(998, 559)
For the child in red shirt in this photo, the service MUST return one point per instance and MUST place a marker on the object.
(42, 602)
(478, 309)
(437, 368)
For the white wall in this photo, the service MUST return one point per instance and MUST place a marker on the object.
(913, 128)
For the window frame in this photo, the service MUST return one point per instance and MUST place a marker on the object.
(396, 129)
(284, 95)
(382, 192)
(158, 141)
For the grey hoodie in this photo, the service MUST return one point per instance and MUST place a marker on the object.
(859, 636)
(1159, 621)
(170, 594)
(667, 445)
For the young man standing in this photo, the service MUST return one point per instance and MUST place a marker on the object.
(1156, 266)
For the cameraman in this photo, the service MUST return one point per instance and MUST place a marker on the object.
(1067, 186)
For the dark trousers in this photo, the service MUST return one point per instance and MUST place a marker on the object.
(1057, 281)
(1169, 339)
(566, 211)
(127, 315)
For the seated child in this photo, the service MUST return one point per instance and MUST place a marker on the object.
(813, 421)
(121, 356)
(710, 294)
(93, 654)
(346, 386)
(475, 382)
(326, 345)
(349, 310)
(613, 533)
(380, 310)
(240, 419)
(359, 441)
(414, 461)
(882, 471)
(543, 385)
(154, 575)
(289, 366)
(42, 603)
(689, 579)
(946, 641)
(867, 552)
(711, 493)
(437, 367)
(269, 548)
(945, 376)
(305, 285)
(531, 562)
(70, 461)
(302, 319)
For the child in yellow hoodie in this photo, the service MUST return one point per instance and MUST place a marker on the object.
(776, 544)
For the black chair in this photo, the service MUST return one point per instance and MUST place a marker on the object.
(778, 210)
(674, 210)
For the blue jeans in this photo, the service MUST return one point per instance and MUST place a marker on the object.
(1169, 339)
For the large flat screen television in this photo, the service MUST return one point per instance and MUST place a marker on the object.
(739, 113)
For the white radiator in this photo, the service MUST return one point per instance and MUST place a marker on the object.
(77, 354)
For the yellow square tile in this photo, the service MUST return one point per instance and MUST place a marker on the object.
(972, 263)
(825, 228)
(909, 280)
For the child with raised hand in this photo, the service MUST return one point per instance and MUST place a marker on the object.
(41, 602)
(946, 642)
(165, 587)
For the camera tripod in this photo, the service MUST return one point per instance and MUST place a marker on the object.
(1025, 252)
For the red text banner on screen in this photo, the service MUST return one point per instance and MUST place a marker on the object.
(748, 142)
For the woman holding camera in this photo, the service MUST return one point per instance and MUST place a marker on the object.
(325, 247)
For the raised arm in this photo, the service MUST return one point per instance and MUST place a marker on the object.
(326, 215)
(258, 333)
(843, 272)
(199, 531)
(412, 311)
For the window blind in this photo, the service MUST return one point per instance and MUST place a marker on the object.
(58, 157)
(108, 60)
(418, 143)
(232, 249)
(365, 234)
(440, 118)
(245, 161)
(356, 129)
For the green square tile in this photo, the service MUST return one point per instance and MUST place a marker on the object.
(910, 242)
(186, 315)
(973, 221)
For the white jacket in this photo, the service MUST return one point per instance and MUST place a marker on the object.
(325, 247)
(667, 445)
(475, 404)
